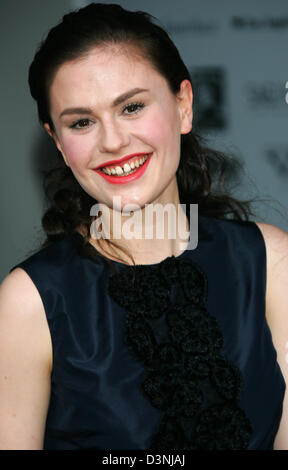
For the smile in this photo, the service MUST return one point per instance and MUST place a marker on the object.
(120, 173)
(127, 168)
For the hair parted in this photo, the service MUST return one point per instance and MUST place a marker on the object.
(203, 173)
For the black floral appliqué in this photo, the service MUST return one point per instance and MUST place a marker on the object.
(170, 332)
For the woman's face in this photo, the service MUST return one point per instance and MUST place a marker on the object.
(111, 110)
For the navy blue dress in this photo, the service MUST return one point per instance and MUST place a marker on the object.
(183, 361)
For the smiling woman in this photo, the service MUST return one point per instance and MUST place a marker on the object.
(115, 124)
(137, 343)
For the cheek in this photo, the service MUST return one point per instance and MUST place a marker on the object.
(157, 130)
(162, 131)
(77, 150)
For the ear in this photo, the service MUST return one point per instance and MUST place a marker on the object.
(185, 102)
(56, 140)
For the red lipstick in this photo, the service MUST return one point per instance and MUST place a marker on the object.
(119, 161)
(124, 179)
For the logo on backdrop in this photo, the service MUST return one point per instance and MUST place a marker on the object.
(257, 24)
(196, 25)
(277, 157)
(210, 91)
(266, 95)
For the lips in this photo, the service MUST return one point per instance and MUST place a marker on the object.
(135, 174)
(121, 161)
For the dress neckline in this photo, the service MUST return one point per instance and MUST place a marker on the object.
(170, 257)
(180, 256)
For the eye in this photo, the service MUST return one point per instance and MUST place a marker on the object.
(80, 124)
(133, 108)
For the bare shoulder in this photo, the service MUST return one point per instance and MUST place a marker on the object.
(19, 283)
(25, 364)
(276, 241)
(21, 309)
(21, 304)
(20, 292)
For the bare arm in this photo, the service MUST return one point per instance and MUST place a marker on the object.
(276, 241)
(25, 364)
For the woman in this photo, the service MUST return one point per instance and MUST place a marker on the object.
(122, 343)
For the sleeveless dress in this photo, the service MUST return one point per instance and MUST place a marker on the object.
(174, 355)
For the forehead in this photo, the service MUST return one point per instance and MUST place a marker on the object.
(106, 71)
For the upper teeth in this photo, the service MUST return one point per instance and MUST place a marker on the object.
(118, 170)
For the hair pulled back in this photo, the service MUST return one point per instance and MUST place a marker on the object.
(202, 174)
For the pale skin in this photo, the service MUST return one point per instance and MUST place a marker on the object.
(99, 81)
(25, 342)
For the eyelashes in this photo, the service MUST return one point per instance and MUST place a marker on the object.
(134, 108)
(128, 109)
(80, 124)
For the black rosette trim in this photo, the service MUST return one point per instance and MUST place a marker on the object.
(195, 388)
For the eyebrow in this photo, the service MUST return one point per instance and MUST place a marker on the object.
(120, 99)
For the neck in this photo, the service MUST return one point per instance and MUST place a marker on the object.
(149, 234)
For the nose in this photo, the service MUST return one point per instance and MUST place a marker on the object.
(113, 137)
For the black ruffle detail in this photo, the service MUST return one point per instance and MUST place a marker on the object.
(222, 428)
(139, 291)
(170, 332)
